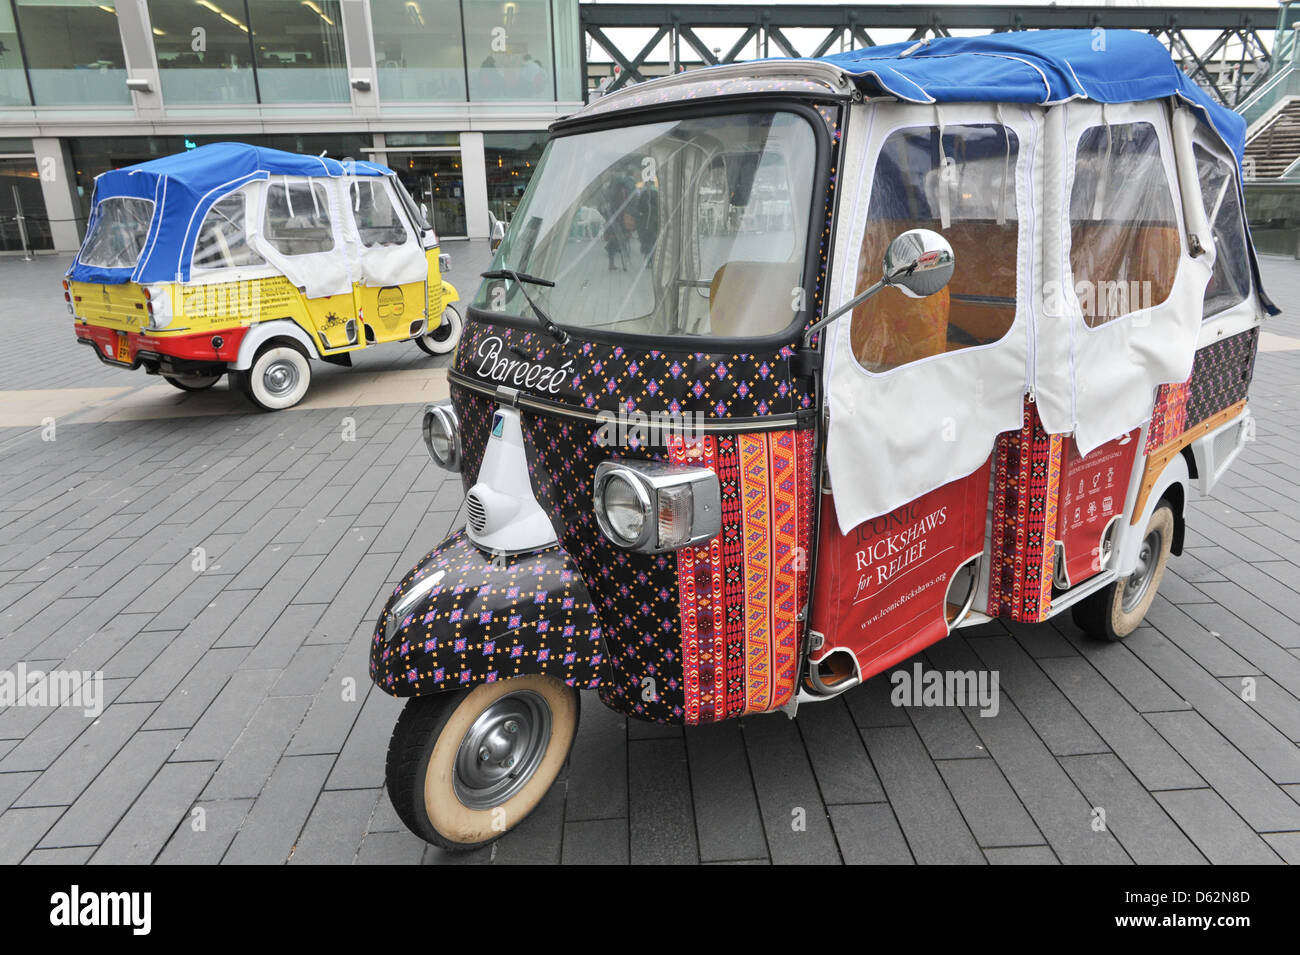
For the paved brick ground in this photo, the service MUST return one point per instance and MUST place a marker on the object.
(227, 686)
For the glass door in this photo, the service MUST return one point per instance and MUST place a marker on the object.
(23, 223)
(436, 181)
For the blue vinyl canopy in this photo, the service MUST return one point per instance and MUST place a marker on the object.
(1037, 66)
(183, 188)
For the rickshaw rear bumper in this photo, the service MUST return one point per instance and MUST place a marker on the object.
(473, 617)
(169, 352)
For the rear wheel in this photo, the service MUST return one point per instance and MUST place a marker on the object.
(466, 767)
(278, 378)
(1115, 611)
(445, 337)
(192, 382)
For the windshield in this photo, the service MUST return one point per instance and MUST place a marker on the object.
(693, 227)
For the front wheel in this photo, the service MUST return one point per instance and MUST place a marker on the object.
(278, 378)
(446, 336)
(192, 382)
(468, 766)
(1115, 611)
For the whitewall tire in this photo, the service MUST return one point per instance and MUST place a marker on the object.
(278, 378)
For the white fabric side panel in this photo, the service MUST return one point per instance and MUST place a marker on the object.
(1058, 309)
(895, 436)
(1118, 365)
(318, 273)
(388, 264)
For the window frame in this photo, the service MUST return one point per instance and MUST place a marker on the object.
(287, 183)
(251, 208)
(1024, 156)
(1172, 185)
(825, 152)
(96, 220)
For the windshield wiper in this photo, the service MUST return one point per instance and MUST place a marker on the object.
(520, 278)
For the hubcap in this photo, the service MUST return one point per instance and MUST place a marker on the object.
(280, 377)
(1135, 588)
(501, 750)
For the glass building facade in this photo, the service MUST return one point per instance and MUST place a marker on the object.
(454, 95)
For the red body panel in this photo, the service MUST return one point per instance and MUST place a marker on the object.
(881, 590)
(196, 347)
(1092, 494)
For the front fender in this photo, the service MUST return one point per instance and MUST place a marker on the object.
(449, 293)
(480, 618)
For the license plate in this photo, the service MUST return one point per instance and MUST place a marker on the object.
(123, 348)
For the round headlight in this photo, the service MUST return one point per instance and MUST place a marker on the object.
(624, 509)
(442, 436)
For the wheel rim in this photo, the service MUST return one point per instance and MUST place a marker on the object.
(501, 750)
(280, 377)
(1139, 582)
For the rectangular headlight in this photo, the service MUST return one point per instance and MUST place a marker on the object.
(654, 508)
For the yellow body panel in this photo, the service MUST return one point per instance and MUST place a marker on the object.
(390, 311)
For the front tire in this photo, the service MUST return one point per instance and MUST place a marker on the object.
(446, 336)
(468, 766)
(1115, 611)
(192, 382)
(278, 378)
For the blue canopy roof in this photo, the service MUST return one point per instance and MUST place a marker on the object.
(183, 188)
(1039, 66)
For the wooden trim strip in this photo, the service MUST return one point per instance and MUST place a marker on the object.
(1162, 455)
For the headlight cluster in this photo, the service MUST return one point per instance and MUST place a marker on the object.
(654, 508)
(442, 436)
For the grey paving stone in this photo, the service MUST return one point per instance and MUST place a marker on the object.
(393, 848)
(335, 707)
(224, 720)
(930, 820)
(1151, 759)
(271, 828)
(537, 840)
(183, 706)
(1247, 790)
(21, 829)
(12, 786)
(1285, 844)
(1061, 727)
(839, 759)
(1021, 855)
(335, 828)
(870, 706)
(727, 820)
(1230, 715)
(597, 782)
(205, 834)
(307, 671)
(661, 822)
(1215, 829)
(988, 804)
(75, 768)
(794, 816)
(1142, 827)
(869, 835)
(282, 640)
(360, 763)
(100, 806)
(249, 764)
(1275, 704)
(595, 842)
(165, 804)
(73, 855)
(1057, 807)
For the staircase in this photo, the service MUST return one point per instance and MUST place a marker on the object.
(1275, 146)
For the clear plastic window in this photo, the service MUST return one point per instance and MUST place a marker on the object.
(117, 235)
(223, 239)
(691, 227)
(962, 185)
(1124, 243)
(1230, 281)
(378, 219)
(298, 218)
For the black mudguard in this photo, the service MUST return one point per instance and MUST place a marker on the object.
(483, 617)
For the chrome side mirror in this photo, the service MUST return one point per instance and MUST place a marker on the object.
(498, 234)
(918, 263)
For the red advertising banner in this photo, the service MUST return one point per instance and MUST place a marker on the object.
(882, 589)
(1092, 495)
